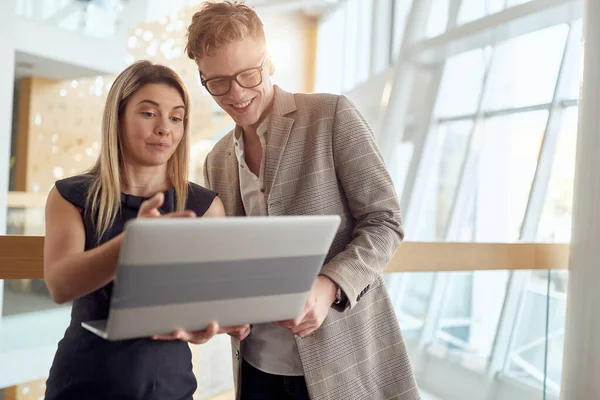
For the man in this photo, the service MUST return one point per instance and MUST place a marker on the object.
(305, 154)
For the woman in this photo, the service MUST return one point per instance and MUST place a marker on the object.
(141, 172)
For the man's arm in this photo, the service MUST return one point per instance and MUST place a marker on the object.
(372, 201)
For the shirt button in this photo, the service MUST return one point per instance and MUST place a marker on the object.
(241, 166)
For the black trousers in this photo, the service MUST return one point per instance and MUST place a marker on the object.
(259, 385)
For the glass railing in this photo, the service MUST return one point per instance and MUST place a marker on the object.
(482, 335)
(31, 323)
(491, 330)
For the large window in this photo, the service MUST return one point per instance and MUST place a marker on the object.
(524, 69)
(492, 160)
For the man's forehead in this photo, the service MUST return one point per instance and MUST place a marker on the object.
(233, 57)
(217, 66)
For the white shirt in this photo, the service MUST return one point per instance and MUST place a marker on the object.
(269, 348)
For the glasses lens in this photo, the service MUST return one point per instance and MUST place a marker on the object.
(250, 78)
(218, 87)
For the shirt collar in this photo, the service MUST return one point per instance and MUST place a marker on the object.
(261, 130)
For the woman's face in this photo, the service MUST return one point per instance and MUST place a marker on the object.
(151, 126)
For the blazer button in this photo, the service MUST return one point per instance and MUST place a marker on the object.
(262, 190)
(237, 355)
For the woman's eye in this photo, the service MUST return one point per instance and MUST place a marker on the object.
(147, 114)
(176, 119)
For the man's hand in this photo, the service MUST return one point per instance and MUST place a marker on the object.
(317, 306)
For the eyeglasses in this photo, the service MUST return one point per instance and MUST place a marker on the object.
(247, 78)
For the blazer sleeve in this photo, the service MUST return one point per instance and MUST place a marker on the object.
(205, 172)
(372, 200)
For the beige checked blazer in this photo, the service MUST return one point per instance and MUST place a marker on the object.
(321, 159)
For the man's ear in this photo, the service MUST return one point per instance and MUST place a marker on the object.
(270, 66)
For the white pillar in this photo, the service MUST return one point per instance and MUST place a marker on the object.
(581, 364)
(7, 72)
(7, 76)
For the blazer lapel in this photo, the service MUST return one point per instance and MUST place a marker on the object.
(280, 127)
(232, 199)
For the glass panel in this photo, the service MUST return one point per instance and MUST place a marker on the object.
(330, 54)
(463, 311)
(470, 10)
(555, 222)
(539, 333)
(350, 43)
(414, 305)
(25, 221)
(364, 40)
(470, 314)
(574, 87)
(451, 143)
(507, 164)
(457, 95)
(98, 18)
(438, 18)
(512, 3)
(524, 70)
(401, 11)
(382, 39)
(31, 323)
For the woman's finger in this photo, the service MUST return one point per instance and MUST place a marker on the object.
(308, 325)
(198, 337)
(306, 332)
(180, 214)
(233, 329)
(151, 205)
(170, 336)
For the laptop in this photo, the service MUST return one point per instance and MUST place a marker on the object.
(184, 273)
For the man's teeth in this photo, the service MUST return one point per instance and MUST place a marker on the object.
(242, 105)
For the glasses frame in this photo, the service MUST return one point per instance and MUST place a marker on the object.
(231, 78)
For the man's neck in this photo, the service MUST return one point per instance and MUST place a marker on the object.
(252, 130)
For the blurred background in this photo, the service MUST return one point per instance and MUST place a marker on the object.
(474, 104)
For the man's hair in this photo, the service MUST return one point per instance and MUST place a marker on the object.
(220, 23)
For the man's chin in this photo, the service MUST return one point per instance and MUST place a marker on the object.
(244, 120)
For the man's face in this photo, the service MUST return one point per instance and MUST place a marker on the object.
(245, 105)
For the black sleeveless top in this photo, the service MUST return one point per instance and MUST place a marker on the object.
(88, 367)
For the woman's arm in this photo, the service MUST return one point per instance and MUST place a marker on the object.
(216, 208)
(69, 271)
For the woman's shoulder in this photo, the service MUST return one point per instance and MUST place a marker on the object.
(75, 189)
(199, 198)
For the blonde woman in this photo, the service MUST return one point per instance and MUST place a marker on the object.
(141, 172)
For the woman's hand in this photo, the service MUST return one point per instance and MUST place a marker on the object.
(203, 336)
(150, 209)
(239, 332)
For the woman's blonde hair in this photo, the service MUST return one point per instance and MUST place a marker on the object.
(104, 197)
(220, 23)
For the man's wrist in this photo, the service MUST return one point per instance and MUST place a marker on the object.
(332, 288)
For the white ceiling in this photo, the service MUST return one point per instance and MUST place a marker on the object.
(39, 63)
